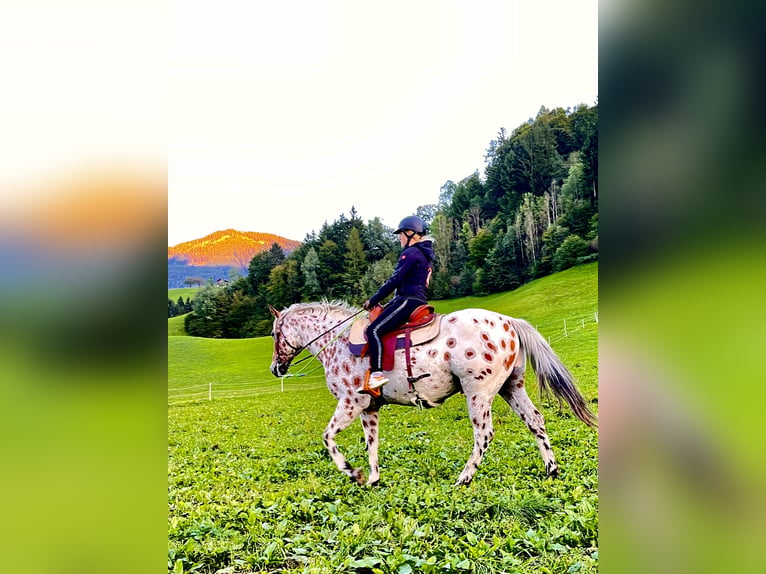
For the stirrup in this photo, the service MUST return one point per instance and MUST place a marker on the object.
(366, 390)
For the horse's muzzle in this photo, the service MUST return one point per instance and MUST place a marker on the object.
(279, 369)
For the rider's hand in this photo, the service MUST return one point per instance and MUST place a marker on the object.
(366, 305)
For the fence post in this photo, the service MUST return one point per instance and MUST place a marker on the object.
(596, 315)
(283, 383)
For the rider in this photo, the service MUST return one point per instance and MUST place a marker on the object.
(410, 280)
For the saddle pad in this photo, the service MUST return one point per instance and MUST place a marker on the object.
(418, 336)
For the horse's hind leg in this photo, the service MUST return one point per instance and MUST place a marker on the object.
(345, 413)
(515, 394)
(480, 411)
(370, 426)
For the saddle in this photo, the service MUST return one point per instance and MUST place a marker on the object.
(422, 326)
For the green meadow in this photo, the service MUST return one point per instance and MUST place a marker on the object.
(184, 292)
(252, 489)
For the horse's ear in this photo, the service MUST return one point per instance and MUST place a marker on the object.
(274, 311)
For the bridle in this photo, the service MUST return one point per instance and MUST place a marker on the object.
(297, 350)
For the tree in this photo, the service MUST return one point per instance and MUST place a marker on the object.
(584, 122)
(500, 268)
(446, 192)
(377, 274)
(495, 146)
(561, 126)
(330, 270)
(541, 160)
(442, 232)
(552, 239)
(461, 199)
(378, 240)
(468, 200)
(311, 289)
(208, 310)
(172, 309)
(572, 248)
(505, 180)
(575, 186)
(260, 267)
(525, 228)
(426, 213)
(198, 281)
(283, 286)
(474, 214)
(356, 263)
(479, 246)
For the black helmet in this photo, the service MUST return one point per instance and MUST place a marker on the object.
(412, 223)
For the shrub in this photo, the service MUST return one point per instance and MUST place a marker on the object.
(572, 248)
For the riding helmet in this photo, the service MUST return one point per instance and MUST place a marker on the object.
(412, 223)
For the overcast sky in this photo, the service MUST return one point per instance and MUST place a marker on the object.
(285, 114)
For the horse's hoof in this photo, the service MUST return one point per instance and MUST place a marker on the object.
(357, 476)
(553, 471)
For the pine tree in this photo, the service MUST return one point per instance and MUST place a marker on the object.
(311, 289)
(356, 262)
(501, 269)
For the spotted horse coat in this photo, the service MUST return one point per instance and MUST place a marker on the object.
(478, 352)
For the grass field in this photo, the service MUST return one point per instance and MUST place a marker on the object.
(176, 326)
(185, 292)
(251, 488)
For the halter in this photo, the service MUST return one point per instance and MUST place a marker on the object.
(322, 334)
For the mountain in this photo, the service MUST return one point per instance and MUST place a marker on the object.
(213, 256)
(229, 248)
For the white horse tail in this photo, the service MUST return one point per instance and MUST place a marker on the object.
(551, 372)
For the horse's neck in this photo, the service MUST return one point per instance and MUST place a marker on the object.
(317, 324)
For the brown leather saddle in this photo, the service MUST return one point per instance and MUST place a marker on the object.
(423, 326)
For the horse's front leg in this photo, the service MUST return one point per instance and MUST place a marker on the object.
(347, 410)
(370, 425)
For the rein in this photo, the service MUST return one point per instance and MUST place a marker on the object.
(322, 334)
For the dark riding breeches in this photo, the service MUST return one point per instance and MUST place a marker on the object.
(394, 315)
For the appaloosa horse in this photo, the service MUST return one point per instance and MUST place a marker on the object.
(477, 352)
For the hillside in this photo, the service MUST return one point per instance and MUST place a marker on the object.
(230, 248)
(216, 255)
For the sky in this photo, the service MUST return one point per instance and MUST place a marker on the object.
(284, 115)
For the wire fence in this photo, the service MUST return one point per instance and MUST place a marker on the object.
(313, 376)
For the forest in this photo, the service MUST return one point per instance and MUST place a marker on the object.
(532, 212)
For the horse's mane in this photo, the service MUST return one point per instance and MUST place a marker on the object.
(325, 307)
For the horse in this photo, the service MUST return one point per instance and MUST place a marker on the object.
(477, 352)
